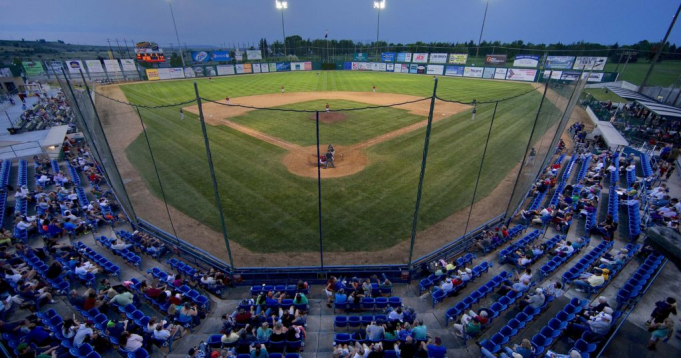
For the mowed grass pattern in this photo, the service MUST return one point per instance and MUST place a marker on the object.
(270, 210)
(300, 128)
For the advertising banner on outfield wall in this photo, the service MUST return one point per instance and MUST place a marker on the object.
(360, 56)
(436, 69)
(473, 72)
(593, 77)
(128, 65)
(301, 66)
(177, 72)
(112, 66)
(256, 68)
(224, 70)
(413, 68)
(404, 57)
(200, 56)
(361, 66)
(488, 72)
(382, 67)
(239, 68)
(283, 66)
(570, 76)
(374, 66)
(420, 58)
(198, 71)
(32, 68)
(560, 62)
(495, 60)
(55, 67)
(390, 67)
(401, 68)
(273, 67)
(388, 57)
(189, 72)
(74, 66)
(152, 74)
(458, 58)
(521, 74)
(555, 75)
(220, 56)
(421, 69)
(438, 58)
(248, 68)
(454, 71)
(210, 71)
(264, 68)
(590, 63)
(526, 61)
(347, 66)
(94, 66)
(500, 73)
(253, 55)
(164, 73)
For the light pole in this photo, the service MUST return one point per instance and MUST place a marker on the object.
(378, 5)
(482, 28)
(281, 5)
(177, 35)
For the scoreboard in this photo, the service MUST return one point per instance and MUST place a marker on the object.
(149, 52)
(151, 57)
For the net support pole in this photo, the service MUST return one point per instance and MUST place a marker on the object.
(319, 196)
(529, 145)
(422, 174)
(482, 161)
(158, 176)
(209, 157)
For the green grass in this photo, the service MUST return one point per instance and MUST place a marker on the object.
(299, 127)
(664, 74)
(599, 94)
(270, 210)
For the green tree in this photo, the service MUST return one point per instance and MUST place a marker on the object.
(175, 60)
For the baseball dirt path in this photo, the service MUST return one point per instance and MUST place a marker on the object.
(122, 126)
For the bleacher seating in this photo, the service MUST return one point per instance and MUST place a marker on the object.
(465, 304)
(4, 173)
(613, 272)
(638, 281)
(557, 261)
(631, 177)
(615, 174)
(587, 261)
(583, 169)
(73, 174)
(613, 204)
(527, 239)
(646, 166)
(512, 233)
(100, 260)
(22, 177)
(556, 195)
(127, 255)
(55, 166)
(568, 169)
(538, 199)
(477, 271)
(634, 220)
(428, 282)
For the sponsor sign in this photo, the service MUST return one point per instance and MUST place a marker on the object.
(189, 72)
(164, 73)
(308, 66)
(347, 66)
(209, 71)
(420, 58)
(248, 68)
(488, 72)
(177, 72)
(521, 74)
(152, 74)
(421, 69)
(454, 71)
(360, 56)
(413, 68)
(390, 67)
(526, 61)
(375, 66)
(381, 67)
(198, 71)
(273, 67)
(238, 55)
(297, 66)
(361, 66)
(254, 55)
(458, 58)
(473, 72)
(570, 76)
(94, 66)
(112, 66)
(256, 67)
(56, 67)
(436, 69)
(220, 56)
(560, 62)
(404, 57)
(264, 68)
(5, 72)
(147, 47)
(128, 65)
(593, 77)
(500, 73)
(75, 66)
(590, 63)
(200, 56)
(495, 60)
(388, 57)
(555, 75)
(438, 58)
(283, 66)
(224, 70)
(239, 68)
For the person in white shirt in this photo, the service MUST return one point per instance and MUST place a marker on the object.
(43, 180)
(396, 315)
(83, 331)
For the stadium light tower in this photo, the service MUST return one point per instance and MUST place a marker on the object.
(281, 5)
(380, 6)
(482, 28)
(177, 35)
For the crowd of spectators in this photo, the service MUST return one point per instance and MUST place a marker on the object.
(47, 112)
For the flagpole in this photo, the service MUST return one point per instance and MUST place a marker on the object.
(326, 36)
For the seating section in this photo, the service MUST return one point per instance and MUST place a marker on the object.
(587, 261)
(636, 284)
(477, 271)
(59, 285)
(454, 312)
(613, 271)
(512, 234)
(646, 166)
(557, 261)
(73, 174)
(428, 282)
(583, 169)
(615, 174)
(126, 254)
(195, 295)
(556, 194)
(591, 218)
(568, 169)
(527, 239)
(100, 260)
(537, 201)
(631, 177)
(613, 204)
(55, 166)
(634, 220)
(4, 173)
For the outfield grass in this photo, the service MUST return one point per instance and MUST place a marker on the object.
(599, 94)
(664, 74)
(270, 210)
(299, 127)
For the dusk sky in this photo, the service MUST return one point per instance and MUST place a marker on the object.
(213, 22)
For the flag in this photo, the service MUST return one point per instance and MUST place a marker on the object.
(326, 35)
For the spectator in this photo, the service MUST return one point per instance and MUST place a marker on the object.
(435, 348)
(662, 310)
(589, 280)
(662, 330)
(470, 325)
(535, 301)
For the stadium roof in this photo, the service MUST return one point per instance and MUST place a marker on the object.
(662, 110)
(611, 135)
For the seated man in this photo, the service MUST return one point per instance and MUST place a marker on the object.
(446, 286)
(553, 289)
(519, 287)
(586, 280)
(470, 325)
(536, 300)
(598, 325)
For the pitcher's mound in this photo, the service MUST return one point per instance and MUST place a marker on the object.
(328, 117)
(303, 162)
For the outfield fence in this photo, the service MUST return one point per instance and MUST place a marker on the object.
(246, 184)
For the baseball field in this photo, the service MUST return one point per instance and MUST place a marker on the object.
(265, 160)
